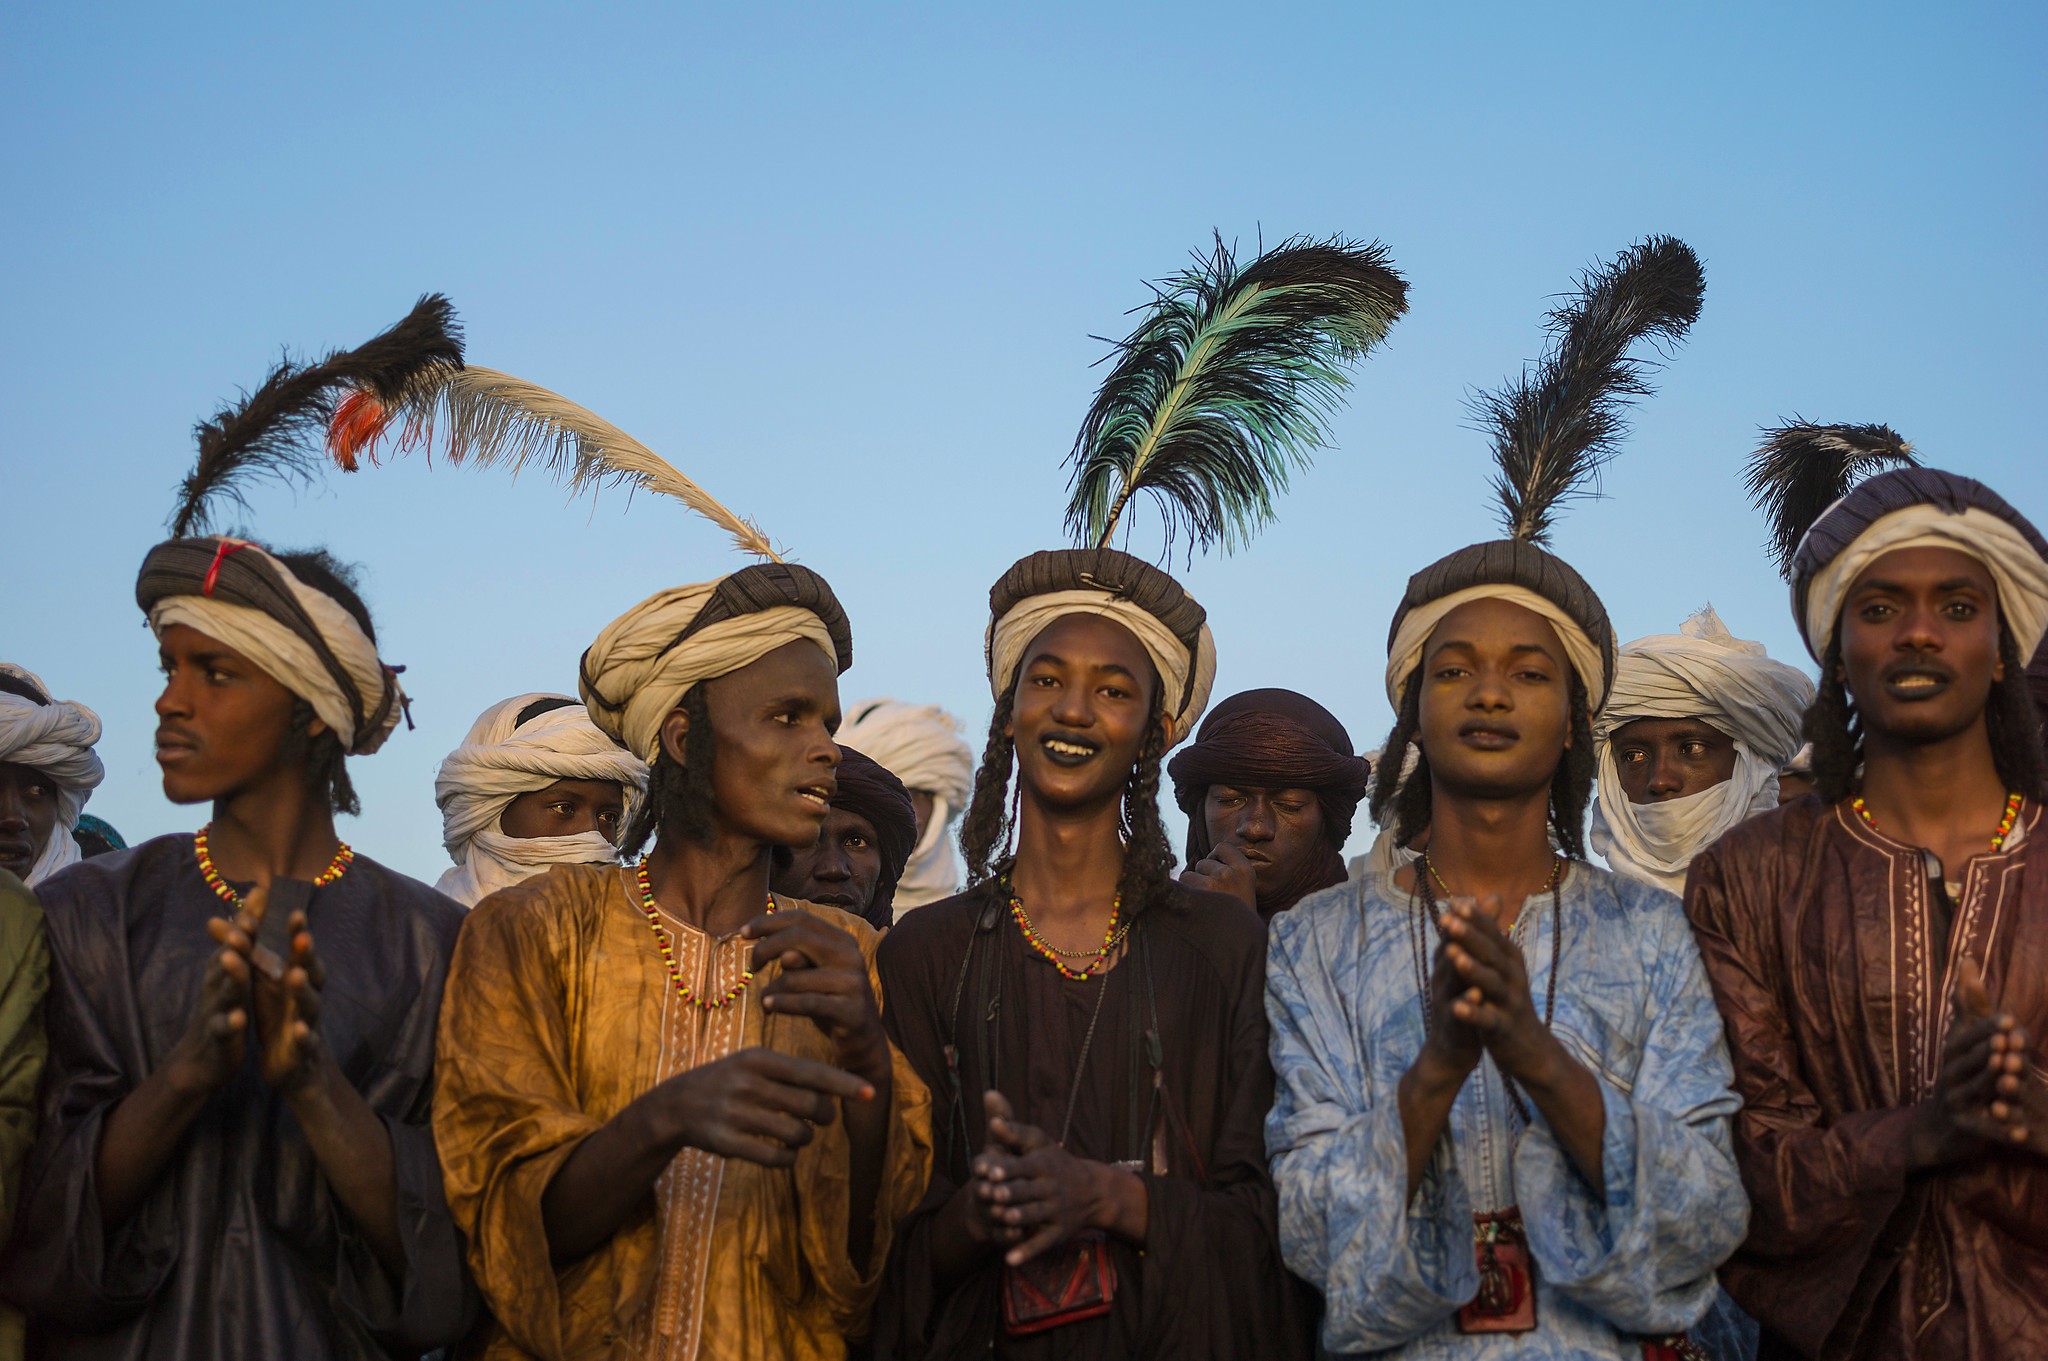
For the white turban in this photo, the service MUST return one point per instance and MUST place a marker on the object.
(1405, 653)
(2018, 569)
(636, 673)
(1701, 672)
(1179, 673)
(920, 745)
(289, 659)
(57, 739)
(501, 759)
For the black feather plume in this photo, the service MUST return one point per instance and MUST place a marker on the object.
(1801, 469)
(277, 431)
(1555, 427)
(1227, 384)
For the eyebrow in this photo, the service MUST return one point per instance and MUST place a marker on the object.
(1900, 588)
(1100, 667)
(1519, 649)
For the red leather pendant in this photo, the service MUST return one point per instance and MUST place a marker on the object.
(1506, 1302)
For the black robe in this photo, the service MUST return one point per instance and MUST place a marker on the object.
(1209, 1282)
(240, 1250)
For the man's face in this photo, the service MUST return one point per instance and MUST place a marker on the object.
(1919, 638)
(567, 808)
(1496, 701)
(1660, 759)
(1277, 829)
(223, 725)
(1084, 695)
(28, 815)
(776, 768)
(841, 870)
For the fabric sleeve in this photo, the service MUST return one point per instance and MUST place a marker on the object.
(1641, 1250)
(1390, 1267)
(822, 1182)
(1821, 1193)
(506, 1118)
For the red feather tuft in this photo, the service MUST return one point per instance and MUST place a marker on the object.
(359, 422)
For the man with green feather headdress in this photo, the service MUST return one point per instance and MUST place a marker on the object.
(1093, 1030)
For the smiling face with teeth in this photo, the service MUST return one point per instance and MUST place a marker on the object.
(1495, 701)
(773, 775)
(1919, 639)
(1085, 695)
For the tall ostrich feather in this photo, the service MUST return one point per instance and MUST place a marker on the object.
(1801, 469)
(1227, 384)
(493, 419)
(273, 432)
(1555, 426)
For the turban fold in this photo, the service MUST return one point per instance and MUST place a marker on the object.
(522, 744)
(1171, 627)
(1276, 739)
(920, 745)
(869, 791)
(1701, 672)
(304, 639)
(648, 658)
(55, 738)
(1519, 572)
(1920, 508)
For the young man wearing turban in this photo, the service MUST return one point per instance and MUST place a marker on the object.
(1094, 1028)
(672, 1123)
(1880, 947)
(1691, 743)
(920, 745)
(48, 769)
(534, 784)
(858, 858)
(1269, 786)
(234, 1157)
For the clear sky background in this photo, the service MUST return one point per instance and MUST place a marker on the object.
(843, 265)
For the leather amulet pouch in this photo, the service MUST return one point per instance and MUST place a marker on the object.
(1074, 1281)
(1507, 1288)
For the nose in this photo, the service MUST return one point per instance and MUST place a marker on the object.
(1919, 630)
(1074, 708)
(13, 813)
(1666, 778)
(172, 702)
(1255, 823)
(1489, 692)
(832, 865)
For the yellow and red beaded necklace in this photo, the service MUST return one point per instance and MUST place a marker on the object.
(668, 949)
(1098, 958)
(2005, 823)
(344, 856)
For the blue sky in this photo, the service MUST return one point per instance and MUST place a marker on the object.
(844, 264)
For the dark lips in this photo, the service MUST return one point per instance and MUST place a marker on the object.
(1939, 683)
(1487, 737)
(1067, 758)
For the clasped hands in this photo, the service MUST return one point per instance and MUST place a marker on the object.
(286, 1009)
(1480, 1001)
(1027, 1194)
(1984, 1096)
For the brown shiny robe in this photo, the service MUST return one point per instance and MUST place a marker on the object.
(1209, 1282)
(1815, 933)
(559, 1013)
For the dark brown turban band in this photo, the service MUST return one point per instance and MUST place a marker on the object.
(869, 791)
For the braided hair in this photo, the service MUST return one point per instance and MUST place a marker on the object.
(1571, 787)
(679, 799)
(326, 764)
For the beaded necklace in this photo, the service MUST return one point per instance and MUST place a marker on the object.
(1098, 957)
(344, 856)
(668, 949)
(2005, 823)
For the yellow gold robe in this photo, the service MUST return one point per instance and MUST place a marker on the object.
(559, 1012)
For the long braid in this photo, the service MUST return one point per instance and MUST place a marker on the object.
(1407, 800)
(986, 827)
(679, 797)
(1571, 789)
(2014, 725)
(1148, 855)
(326, 766)
(1835, 729)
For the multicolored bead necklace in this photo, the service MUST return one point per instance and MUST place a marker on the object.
(2005, 823)
(1098, 958)
(344, 856)
(668, 949)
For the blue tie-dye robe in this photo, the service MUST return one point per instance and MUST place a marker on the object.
(1635, 1258)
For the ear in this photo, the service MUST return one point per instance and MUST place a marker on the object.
(675, 733)
(317, 726)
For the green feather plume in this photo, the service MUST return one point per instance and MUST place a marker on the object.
(1227, 385)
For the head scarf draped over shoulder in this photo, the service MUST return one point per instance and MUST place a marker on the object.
(517, 746)
(55, 737)
(236, 593)
(1172, 628)
(648, 658)
(869, 791)
(1275, 739)
(1919, 508)
(919, 744)
(1517, 571)
(1701, 672)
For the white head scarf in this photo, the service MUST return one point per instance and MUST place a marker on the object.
(57, 739)
(1010, 636)
(920, 745)
(1405, 653)
(1733, 686)
(501, 759)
